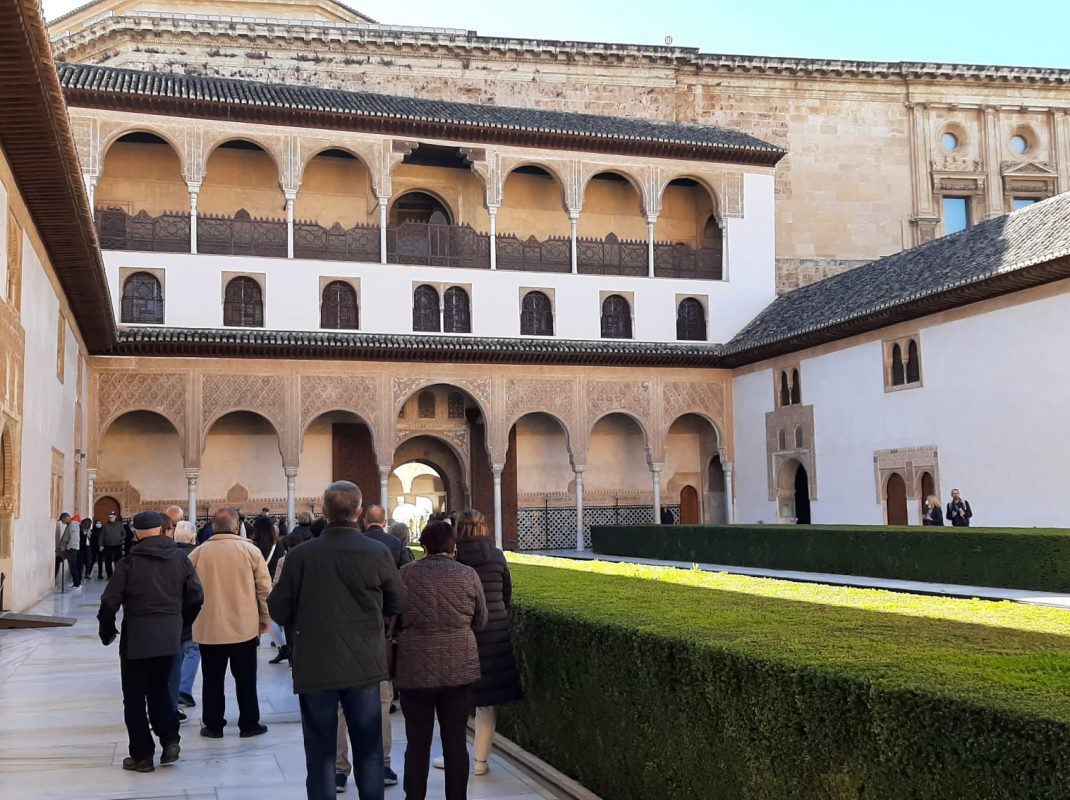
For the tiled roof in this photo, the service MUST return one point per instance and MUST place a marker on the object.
(86, 83)
(1026, 248)
(256, 342)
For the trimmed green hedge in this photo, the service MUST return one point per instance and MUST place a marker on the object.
(644, 690)
(1014, 558)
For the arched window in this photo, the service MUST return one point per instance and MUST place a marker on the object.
(781, 439)
(243, 304)
(536, 315)
(456, 311)
(426, 405)
(800, 440)
(785, 393)
(690, 321)
(339, 309)
(898, 372)
(616, 318)
(419, 207)
(913, 363)
(426, 316)
(142, 299)
(713, 249)
(455, 405)
(796, 388)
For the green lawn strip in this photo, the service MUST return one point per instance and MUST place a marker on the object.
(1019, 671)
(1024, 558)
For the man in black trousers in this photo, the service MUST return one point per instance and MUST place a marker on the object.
(959, 511)
(158, 591)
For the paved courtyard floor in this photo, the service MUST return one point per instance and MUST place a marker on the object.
(62, 734)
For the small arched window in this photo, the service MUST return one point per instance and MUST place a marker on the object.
(616, 318)
(713, 249)
(243, 304)
(426, 316)
(690, 321)
(142, 299)
(913, 369)
(456, 311)
(898, 371)
(536, 315)
(781, 439)
(796, 388)
(800, 440)
(426, 406)
(455, 405)
(339, 309)
(785, 392)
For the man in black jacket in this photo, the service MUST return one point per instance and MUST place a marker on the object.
(159, 592)
(959, 511)
(335, 591)
(374, 519)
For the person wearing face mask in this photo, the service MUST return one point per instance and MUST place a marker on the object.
(112, 542)
(96, 549)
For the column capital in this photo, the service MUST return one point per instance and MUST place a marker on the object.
(497, 469)
(492, 208)
(574, 214)
(192, 474)
(651, 218)
(193, 186)
(290, 195)
(656, 467)
(384, 472)
(91, 473)
(291, 473)
(579, 468)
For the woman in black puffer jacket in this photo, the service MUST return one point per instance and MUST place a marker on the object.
(500, 681)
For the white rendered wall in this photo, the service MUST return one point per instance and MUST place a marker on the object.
(993, 402)
(193, 287)
(47, 423)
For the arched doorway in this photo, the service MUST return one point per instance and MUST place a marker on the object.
(691, 459)
(718, 493)
(545, 491)
(426, 467)
(896, 499)
(802, 496)
(928, 488)
(690, 511)
(793, 493)
(104, 506)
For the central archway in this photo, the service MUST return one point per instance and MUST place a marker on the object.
(428, 467)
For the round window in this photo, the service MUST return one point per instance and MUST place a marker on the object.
(1019, 144)
(950, 141)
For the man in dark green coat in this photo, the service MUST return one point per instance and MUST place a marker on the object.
(334, 592)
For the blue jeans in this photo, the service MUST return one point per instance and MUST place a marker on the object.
(319, 722)
(184, 670)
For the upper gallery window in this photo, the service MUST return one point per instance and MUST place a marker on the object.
(339, 307)
(426, 312)
(690, 320)
(142, 301)
(902, 363)
(243, 303)
(456, 311)
(536, 315)
(616, 318)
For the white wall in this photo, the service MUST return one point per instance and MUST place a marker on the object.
(193, 287)
(993, 402)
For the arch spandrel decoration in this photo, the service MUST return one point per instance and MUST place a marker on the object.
(119, 393)
(704, 399)
(367, 151)
(479, 389)
(620, 397)
(638, 176)
(355, 393)
(262, 394)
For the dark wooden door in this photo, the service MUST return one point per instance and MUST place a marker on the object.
(353, 458)
(802, 497)
(897, 500)
(690, 511)
(105, 506)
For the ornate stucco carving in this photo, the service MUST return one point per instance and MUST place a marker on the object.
(604, 397)
(263, 394)
(121, 392)
(323, 393)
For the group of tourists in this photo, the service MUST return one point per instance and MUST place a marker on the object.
(958, 512)
(357, 617)
(82, 544)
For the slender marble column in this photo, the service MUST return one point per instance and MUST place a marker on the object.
(655, 472)
(729, 495)
(384, 485)
(191, 493)
(92, 474)
(497, 469)
(291, 197)
(580, 544)
(194, 190)
(493, 211)
(291, 497)
(574, 218)
(383, 203)
(650, 245)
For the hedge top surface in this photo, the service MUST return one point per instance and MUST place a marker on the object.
(787, 530)
(1018, 671)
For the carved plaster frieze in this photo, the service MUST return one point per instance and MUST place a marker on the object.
(605, 397)
(685, 397)
(263, 394)
(121, 392)
(323, 393)
(479, 389)
(553, 396)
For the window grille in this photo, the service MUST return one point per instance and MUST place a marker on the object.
(142, 302)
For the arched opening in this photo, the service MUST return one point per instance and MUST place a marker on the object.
(785, 392)
(143, 452)
(336, 187)
(686, 205)
(106, 505)
(545, 498)
(241, 209)
(718, 493)
(690, 321)
(617, 484)
(690, 509)
(612, 229)
(241, 465)
(898, 371)
(420, 207)
(793, 493)
(337, 445)
(456, 311)
(616, 317)
(533, 231)
(691, 459)
(427, 477)
(913, 366)
(896, 499)
(141, 196)
(927, 488)
(796, 388)
(142, 300)
(243, 303)
(800, 438)
(426, 311)
(536, 315)
(339, 309)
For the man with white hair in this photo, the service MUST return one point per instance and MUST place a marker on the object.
(236, 587)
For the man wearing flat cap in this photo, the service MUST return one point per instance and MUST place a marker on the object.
(159, 592)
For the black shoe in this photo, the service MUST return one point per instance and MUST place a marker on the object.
(186, 700)
(181, 716)
(340, 779)
(208, 733)
(257, 731)
(390, 778)
(144, 765)
(282, 655)
(170, 754)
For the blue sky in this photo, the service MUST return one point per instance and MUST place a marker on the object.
(967, 31)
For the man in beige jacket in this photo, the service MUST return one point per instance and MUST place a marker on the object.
(236, 586)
